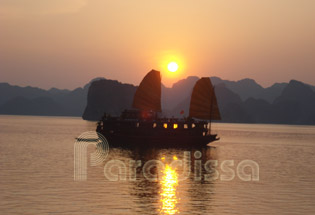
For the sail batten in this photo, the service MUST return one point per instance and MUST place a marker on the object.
(203, 103)
(148, 94)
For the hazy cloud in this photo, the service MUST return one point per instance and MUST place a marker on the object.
(22, 8)
(66, 43)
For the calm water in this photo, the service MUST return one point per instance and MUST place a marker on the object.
(37, 173)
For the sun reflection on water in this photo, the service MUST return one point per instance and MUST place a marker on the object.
(168, 196)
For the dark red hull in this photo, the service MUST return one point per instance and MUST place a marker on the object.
(158, 141)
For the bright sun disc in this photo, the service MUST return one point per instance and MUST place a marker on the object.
(172, 67)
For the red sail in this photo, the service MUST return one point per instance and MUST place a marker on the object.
(148, 94)
(203, 103)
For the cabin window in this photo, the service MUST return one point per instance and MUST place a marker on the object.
(165, 125)
(185, 126)
(154, 125)
(204, 133)
(138, 124)
(193, 125)
(175, 126)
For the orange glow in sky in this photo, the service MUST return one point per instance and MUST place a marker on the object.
(172, 67)
(65, 44)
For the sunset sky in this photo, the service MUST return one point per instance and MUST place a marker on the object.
(66, 43)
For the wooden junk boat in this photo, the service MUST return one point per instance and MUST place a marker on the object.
(143, 126)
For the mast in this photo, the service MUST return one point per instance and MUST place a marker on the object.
(211, 110)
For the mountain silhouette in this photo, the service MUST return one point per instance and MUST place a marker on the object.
(242, 101)
(17, 100)
(108, 96)
(37, 106)
(181, 90)
(296, 105)
(248, 88)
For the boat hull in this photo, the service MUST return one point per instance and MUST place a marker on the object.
(159, 141)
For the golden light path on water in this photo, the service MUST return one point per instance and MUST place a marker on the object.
(168, 195)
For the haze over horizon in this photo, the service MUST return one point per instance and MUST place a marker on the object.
(137, 84)
(65, 44)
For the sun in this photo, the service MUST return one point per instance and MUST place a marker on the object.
(172, 67)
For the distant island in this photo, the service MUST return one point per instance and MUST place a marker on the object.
(242, 101)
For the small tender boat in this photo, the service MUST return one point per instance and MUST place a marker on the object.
(144, 126)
